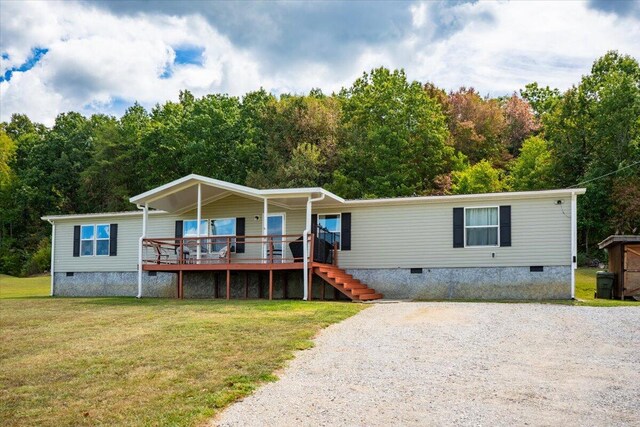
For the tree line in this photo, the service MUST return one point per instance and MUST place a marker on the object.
(384, 136)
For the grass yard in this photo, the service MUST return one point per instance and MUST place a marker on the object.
(586, 288)
(106, 361)
(17, 287)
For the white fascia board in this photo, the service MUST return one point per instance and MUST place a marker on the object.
(152, 192)
(468, 197)
(98, 215)
(192, 179)
(297, 192)
(177, 185)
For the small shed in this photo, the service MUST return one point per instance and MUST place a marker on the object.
(624, 261)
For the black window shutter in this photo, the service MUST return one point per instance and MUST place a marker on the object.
(178, 234)
(505, 225)
(76, 240)
(345, 232)
(113, 239)
(240, 232)
(314, 223)
(458, 227)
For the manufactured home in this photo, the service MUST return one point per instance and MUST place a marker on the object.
(199, 237)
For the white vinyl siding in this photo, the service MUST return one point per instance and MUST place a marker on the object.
(129, 230)
(382, 236)
(421, 235)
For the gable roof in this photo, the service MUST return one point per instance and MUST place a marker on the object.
(181, 195)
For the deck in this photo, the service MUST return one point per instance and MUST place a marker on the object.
(235, 253)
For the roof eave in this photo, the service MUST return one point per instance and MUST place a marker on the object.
(96, 215)
(480, 196)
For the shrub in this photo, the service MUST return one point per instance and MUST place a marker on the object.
(40, 261)
(11, 258)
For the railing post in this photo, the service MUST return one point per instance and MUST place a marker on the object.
(335, 254)
(181, 260)
(270, 239)
(311, 244)
(228, 250)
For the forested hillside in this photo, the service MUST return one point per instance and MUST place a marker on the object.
(382, 137)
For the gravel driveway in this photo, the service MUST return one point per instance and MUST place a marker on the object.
(460, 364)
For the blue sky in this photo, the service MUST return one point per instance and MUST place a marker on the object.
(103, 56)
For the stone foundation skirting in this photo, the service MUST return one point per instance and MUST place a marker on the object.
(197, 284)
(486, 283)
(114, 284)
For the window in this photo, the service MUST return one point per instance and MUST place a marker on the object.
(87, 234)
(223, 227)
(95, 240)
(190, 228)
(481, 226)
(102, 239)
(332, 226)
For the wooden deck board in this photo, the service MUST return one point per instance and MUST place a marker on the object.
(224, 267)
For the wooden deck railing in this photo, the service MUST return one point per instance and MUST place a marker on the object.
(272, 249)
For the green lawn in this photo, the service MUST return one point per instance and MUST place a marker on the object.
(586, 288)
(14, 287)
(106, 361)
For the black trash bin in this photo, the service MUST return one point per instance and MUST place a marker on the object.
(604, 284)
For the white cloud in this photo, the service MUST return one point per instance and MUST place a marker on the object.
(96, 56)
(419, 14)
(517, 43)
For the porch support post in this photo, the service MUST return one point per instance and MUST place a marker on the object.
(53, 255)
(308, 254)
(145, 215)
(265, 228)
(574, 243)
(199, 217)
(305, 252)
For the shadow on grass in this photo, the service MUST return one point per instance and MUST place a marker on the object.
(262, 304)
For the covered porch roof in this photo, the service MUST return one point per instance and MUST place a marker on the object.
(181, 195)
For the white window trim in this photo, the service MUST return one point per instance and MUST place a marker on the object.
(339, 214)
(481, 226)
(284, 231)
(208, 222)
(235, 231)
(284, 220)
(95, 238)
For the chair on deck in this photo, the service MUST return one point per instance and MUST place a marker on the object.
(162, 254)
(297, 249)
(216, 257)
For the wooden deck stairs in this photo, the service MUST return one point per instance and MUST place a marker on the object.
(346, 283)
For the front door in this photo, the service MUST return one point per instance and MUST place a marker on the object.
(276, 228)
